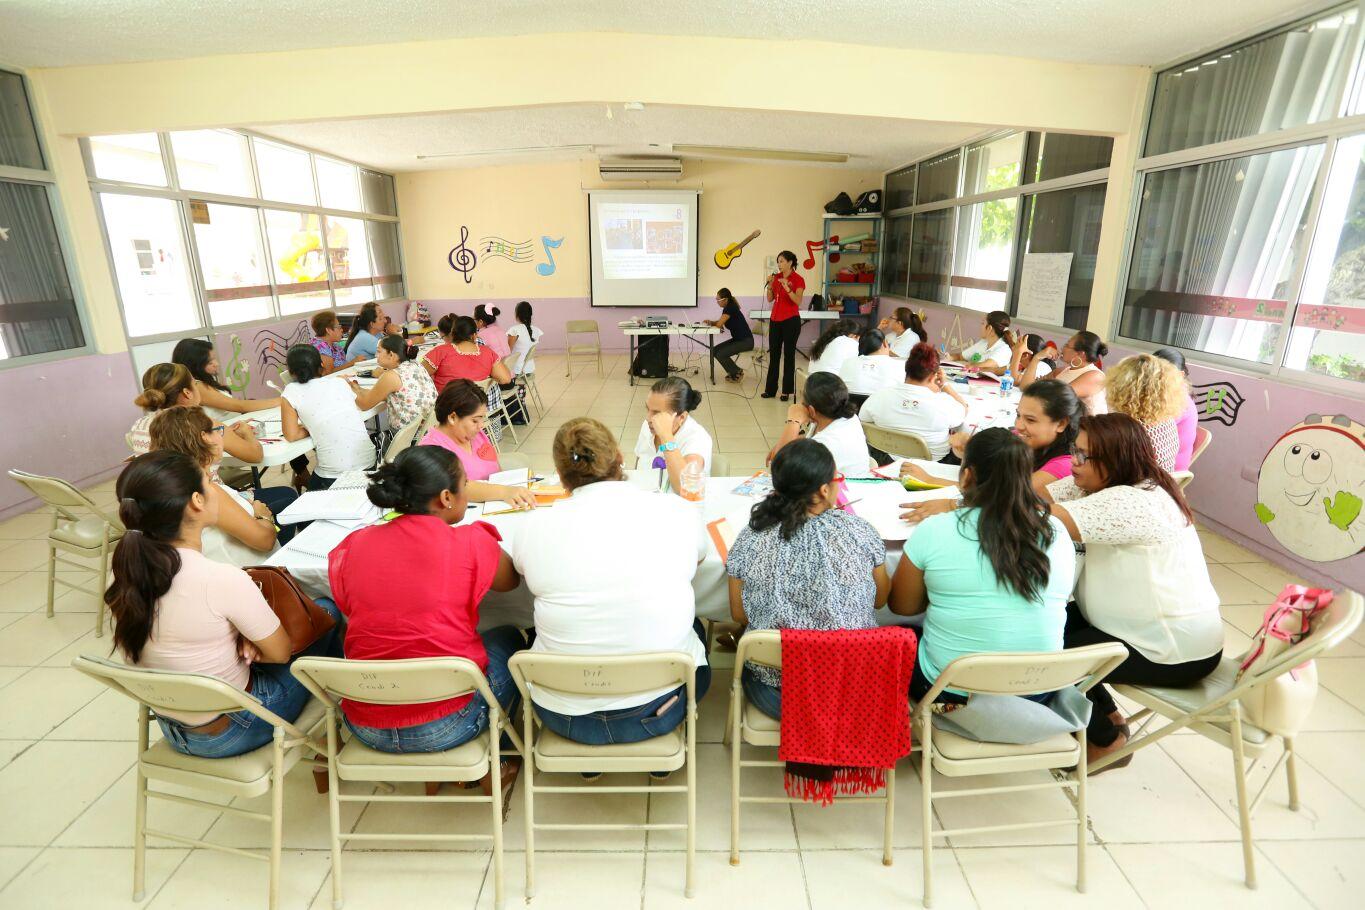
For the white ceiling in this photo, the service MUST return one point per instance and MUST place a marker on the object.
(394, 143)
(38, 33)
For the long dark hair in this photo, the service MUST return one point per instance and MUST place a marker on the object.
(870, 342)
(910, 319)
(1091, 346)
(999, 321)
(1172, 356)
(304, 362)
(368, 316)
(724, 294)
(828, 395)
(1013, 526)
(1123, 450)
(194, 354)
(481, 314)
(523, 314)
(837, 329)
(445, 324)
(1059, 402)
(800, 469)
(414, 479)
(153, 491)
(397, 344)
(463, 328)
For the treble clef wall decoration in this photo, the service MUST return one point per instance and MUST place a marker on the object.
(239, 370)
(462, 258)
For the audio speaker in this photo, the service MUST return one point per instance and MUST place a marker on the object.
(651, 357)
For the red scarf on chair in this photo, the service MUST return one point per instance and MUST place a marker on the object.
(845, 709)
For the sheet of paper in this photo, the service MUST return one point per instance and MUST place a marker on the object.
(516, 477)
(325, 505)
(1042, 287)
(320, 538)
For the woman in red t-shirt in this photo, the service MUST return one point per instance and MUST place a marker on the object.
(411, 587)
(785, 290)
(463, 357)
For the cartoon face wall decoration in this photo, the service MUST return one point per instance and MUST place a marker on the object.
(1312, 487)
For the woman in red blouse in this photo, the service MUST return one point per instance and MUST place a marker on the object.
(785, 290)
(462, 357)
(411, 587)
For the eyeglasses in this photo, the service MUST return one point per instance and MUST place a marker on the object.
(1079, 456)
(220, 428)
(838, 478)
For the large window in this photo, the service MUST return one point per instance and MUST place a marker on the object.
(981, 259)
(931, 255)
(18, 135)
(227, 228)
(1066, 221)
(896, 262)
(900, 189)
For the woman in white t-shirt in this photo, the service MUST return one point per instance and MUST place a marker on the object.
(825, 404)
(904, 330)
(670, 438)
(325, 408)
(611, 571)
(874, 368)
(991, 352)
(1145, 583)
(521, 337)
(835, 345)
(924, 404)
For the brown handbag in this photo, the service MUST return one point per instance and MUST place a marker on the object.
(299, 614)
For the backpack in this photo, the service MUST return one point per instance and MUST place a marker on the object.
(1282, 705)
(841, 204)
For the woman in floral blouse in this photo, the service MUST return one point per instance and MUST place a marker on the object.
(402, 380)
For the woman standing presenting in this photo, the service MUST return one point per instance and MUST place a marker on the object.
(785, 290)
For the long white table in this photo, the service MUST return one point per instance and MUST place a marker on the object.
(699, 334)
(880, 502)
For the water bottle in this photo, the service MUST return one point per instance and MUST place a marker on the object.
(1006, 384)
(692, 483)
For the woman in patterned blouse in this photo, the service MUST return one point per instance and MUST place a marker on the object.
(1152, 392)
(402, 380)
(802, 563)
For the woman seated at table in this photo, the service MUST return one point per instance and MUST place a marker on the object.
(903, 330)
(175, 609)
(801, 563)
(324, 407)
(874, 368)
(1151, 391)
(825, 404)
(1145, 582)
(244, 533)
(925, 404)
(611, 571)
(835, 345)
(461, 415)
(991, 352)
(1032, 357)
(327, 332)
(428, 609)
(170, 385)
(365, 332)
(400, 381)
(994, 575)
(491, 334)
(1187, 424)
(199, 357)
(1081, 359)
(741, 336)
(670, 438)
(462, 357)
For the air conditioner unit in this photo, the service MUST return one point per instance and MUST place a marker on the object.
(643, 168)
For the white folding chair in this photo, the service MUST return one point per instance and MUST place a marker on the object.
(896, 442)
(801, 377)
(499, 413)
(406, 436)
(619, 675)
(1213, 709)
(956, 756)
(406, 682)
(1182, 478)
(747, 724)
(91, 537)
(720, 465)
(249, 775)
(527, 380)
(591, 348)
(511, 461)
(1202, 438)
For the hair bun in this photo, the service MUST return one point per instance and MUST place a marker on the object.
(387, 488)
(1103, 349)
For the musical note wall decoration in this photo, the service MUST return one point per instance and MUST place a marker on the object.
(812, 246)
(272, 347)
(546, 269)
(461, 258)
(512, 251)
(239, 370)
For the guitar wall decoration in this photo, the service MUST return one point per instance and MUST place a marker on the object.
(733, 251)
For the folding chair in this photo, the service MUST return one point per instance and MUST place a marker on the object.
(759, 355)
(1202, 438)
(747, 724)
(801, 377)
(93, 538)
(406, 436)
(897, 442)
(956, 756)
(500, 412)
(720, 465)
(406, 682)
(1182, 478)
(527, 380)
(620, 675)
(1212, 708)
(248, 775)
(593, 348)
(511, 461)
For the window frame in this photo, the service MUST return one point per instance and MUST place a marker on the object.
(48, 180)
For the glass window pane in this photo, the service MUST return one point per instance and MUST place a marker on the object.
(388, 272)
(298, 261)
(213, 161)
(1067, 221)
(377, 190)
(1280, 81)
(1328, 334)
(236, 284)
(131, 158)
(896, 273)
(149, 263)
(931, 246)
(352, 278)
(286, 174)
(18, 135)
(1215, 250)
(1052, 155)
(938, 178)
(338, 183)
(37, 309)
(993, 165)
(981, 267)
(900, 189)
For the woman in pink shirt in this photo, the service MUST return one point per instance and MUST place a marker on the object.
(174, 609)
(461, 415)
(490, 333)
(1187, 424)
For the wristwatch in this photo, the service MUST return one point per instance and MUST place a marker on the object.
(668, 446)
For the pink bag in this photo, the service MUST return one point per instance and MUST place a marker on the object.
(1283, 704)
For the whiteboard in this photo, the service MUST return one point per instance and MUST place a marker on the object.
(1042, 287)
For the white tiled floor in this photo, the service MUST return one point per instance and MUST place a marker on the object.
(1164, 830)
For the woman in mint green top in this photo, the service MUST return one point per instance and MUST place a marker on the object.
(994, 574)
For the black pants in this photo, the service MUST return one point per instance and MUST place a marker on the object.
(1136, 670)
(725, 352)
(782, 346)
(279, 499)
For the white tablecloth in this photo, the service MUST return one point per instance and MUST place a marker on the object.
(874, 500)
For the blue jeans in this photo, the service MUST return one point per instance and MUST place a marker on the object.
(279, 499)
(320, 483)
(277, 690)
(766, 698)
(460, 726)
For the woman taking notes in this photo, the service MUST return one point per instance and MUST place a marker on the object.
(785, 290)
(199, 357)
(324, 407)
(837, 428)
(402, 382)
(874, 368)
(801, 563)
(170, 385)
(741, 336)
(670, 439)
(991, 352)
(461, 415)
(925, 404)
(837, 344)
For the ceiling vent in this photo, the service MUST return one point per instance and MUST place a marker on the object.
(640, 168)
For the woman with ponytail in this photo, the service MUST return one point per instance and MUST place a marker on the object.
(172, 385)
(365, 332)
(490, 333)
(826, 405)
(521, 337)
(991, 353)
(802, 563)
(1082, 368)
(175, 609)
(995, 574)
(402, 382)
(427, 608)
(836, 344)
(904, 330)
